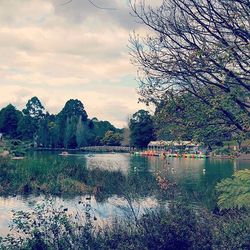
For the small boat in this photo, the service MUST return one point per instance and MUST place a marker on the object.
(64, 153)
(17, 157)
(136, 153)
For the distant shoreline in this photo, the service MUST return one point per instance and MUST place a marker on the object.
(117, 149)
(242, 156)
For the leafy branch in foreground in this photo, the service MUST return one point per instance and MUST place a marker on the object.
(235, 191)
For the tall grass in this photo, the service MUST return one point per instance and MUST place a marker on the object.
(55, 177)
(63, 177)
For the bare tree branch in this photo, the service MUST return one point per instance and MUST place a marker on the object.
(66, 3)
(199, 46)
(99, 7)
(92, 3)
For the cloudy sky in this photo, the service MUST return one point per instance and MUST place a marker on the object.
(58, 51)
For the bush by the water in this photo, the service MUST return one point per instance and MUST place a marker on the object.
(223, 151)
(235, 191)
(176, 227)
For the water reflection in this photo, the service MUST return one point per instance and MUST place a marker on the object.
(125, 181)
(103, 211)
(110, 161)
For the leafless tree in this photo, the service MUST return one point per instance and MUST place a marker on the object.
(196, 46)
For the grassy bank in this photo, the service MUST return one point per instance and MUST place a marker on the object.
(55, 177)
(61, 176)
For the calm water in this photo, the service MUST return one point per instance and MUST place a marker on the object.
(194, 177)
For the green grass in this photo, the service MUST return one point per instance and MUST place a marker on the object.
(59, 176)
(52, 177)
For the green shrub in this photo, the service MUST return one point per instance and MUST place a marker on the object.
(223, 151)
(245, 150)
(43, 228)
(235, 192)
(176, 227)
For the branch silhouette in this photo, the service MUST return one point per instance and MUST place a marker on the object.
(92, 3)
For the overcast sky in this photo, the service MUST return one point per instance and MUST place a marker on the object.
(59, 51)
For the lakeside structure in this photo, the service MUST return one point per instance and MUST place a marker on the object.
(173, 145)
(186, 149)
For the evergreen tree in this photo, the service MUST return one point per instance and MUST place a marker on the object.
(26, 128)
(142, 129)
(9, 118)
(70, 133)
(80, 135)
(34, 108)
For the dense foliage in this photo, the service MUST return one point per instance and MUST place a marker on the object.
(235, 191)
(9, 119)
(141, 129)
(184, 117)
(178, 227)
(70, 128)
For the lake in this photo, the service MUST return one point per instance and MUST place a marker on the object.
(130, 183)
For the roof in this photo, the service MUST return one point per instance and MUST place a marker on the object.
(172, 143)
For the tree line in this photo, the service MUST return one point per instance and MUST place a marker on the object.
(70, 128)
(181, 120)
(178, 119)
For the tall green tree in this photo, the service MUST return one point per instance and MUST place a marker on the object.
(9, 119)
(54, 139)
(184, 117)
(34, 113)
(81, 137)
(73, 108)
(26, 128)
(70, 133)
(43, 132)
(142, 129)
(112, 138)
(34, 109)
(67, 121)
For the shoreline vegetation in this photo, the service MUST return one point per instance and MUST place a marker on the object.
(19, 148)
(56, 178)
(72, 129)
(180, 226)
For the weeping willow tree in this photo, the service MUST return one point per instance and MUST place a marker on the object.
(235, 191)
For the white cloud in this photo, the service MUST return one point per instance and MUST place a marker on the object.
(58, 52)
